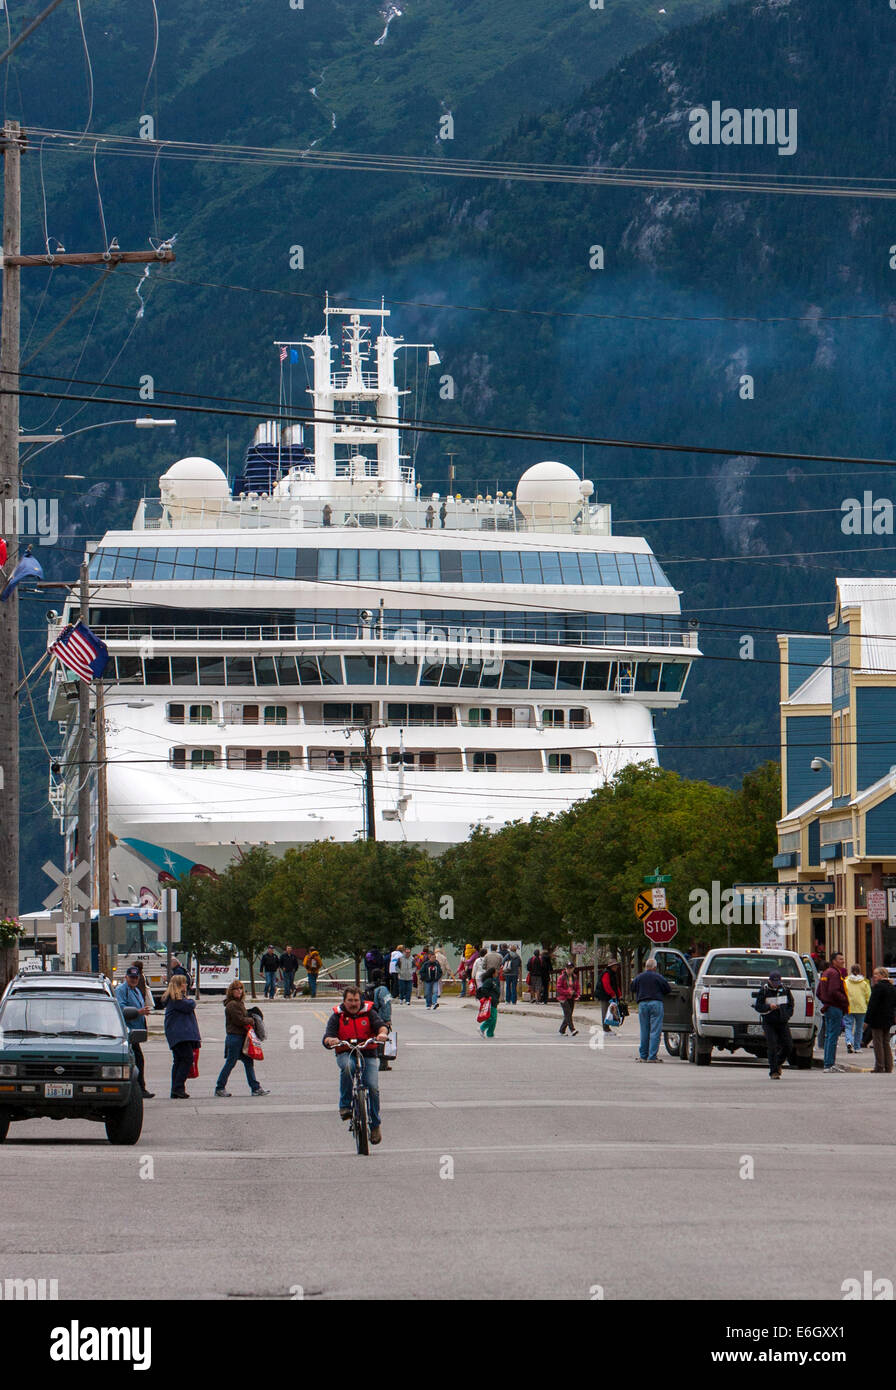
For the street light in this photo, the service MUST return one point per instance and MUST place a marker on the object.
(142, 422)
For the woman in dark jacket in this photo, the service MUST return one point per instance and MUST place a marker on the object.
(238, 1024)
(182, 1033)
(879, 1017)
(489, 989)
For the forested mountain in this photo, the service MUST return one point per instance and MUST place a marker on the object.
(698, 290)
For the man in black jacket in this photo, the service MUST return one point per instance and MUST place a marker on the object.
(774, 1004)
(270, 964)
(289, 964)
(879, 1017)
(430, 974)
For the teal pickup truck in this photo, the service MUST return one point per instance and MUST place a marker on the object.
(65, 1054)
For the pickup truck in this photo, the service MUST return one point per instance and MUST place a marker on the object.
(724, 994)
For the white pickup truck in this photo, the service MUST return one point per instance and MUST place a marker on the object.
(725, 992)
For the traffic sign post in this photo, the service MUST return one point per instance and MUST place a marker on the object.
(660, 926)
(657, 877)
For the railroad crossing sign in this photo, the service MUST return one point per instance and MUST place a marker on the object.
(643, 905)
(657, 877)
(660, 926)
(70, 881)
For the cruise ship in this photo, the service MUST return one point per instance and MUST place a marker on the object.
(320, 648)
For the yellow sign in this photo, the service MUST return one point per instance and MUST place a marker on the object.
(643, 905)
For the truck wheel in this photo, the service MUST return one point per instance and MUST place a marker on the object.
(123, 1126)
(5, 1120)
(685, 1053)
(703, 1054)
(692, 1048)
(673, 1043)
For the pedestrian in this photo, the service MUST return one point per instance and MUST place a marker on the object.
(442, 958)
(546, 968)
(181, 1033)
(430, 516)
(270, 964)
(356, 1019)
(465, 969)
(609, 990)
(238, 1023)
(774, 1004)
(513, 969)
(568, 991)
(493, 959)
(144, 986)
(477, 973)
(419, 958)
(381, 999)
(312, 964)
(835, 1005)
(533, 977)
(131, 996)
(178, 968)
(289, 964)
(443, 512)
(431, 974)
(489, 988)
(649, 987)
(858, 991)
(880, 1016)
(374, 961)
(327, 515)
(394, 961)
(405, 976)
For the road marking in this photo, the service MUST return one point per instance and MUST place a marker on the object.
(492, 1043)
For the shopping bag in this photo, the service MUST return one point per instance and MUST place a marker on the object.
(252, 1047)
(194, 1068)
(485, 1010)
(390, 1047)
(614, 1017)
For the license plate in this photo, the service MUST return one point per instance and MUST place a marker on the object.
(58, 1090)
(755, 1029)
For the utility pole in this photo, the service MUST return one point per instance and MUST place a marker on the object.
(102, 822)
(84, 797)
(12, 142)
(368, 781)
(9, 496)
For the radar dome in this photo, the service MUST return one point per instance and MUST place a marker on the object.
(551, 491)
(194, 477)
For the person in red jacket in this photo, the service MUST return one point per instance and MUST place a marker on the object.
(568, 991)
(608, 990)
(356, 1019)
(835, 1004)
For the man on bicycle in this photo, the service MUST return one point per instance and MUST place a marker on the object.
(357, 1019)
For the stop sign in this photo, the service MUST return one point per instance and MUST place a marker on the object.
(660, 926)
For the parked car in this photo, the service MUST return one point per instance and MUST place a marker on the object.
(681, 972)
(724, 994)
(65, 1053)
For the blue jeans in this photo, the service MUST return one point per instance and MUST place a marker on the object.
(270, 984)
(233, 1053)
(431, 992)
(404, 991)
(312, 984)
(833, 1019)
(289, 977)
(510, 992)
(650, 1017)
(857, 1022)
(371, 1080)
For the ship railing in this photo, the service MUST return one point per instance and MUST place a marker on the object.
(405, 636)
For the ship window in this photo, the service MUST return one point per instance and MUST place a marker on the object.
(625, 681)
(589, 567)
(286, 671)
(309, 674)
(205, 564)
(445, 714)
(360, 670)
(175, 714)
(491, 566)
(672, 678)
(451, 673)
(598, 674)
(569, 567)
(183, 670)
(451, 566)
(402, 672)
(569, 675)
(648, 675)
(410, 564)
(348, 564)
(396, 714)
(471, 673)
(124, 564)
(264, 564)
(144, 564)
(129, 669)
(286, 564)
(368, 567)
(250, 714)
(550, 567)
(531, 566)
(211, 670)
(202, 757)
(471, 566)
(185, 563)
(515, 675)
(331, 670)
(178, 757)
(544, 675)
(277, 757)
(479, 717)
(427, 760)
(327, 561)
(253, 758)
(103, 566)
(225, 563)
(239, 670)
(158, 671)
(485, 762)
(644, 568)
(553, 718)
(245, 562)
(609, 573)
(388, 564)
(200, 714)
(429, 565)
(265, 671)
(275, 714)
(431, 673)
(628, 574)
(307, 563)
(510, 564)
(559, 762)
(491, 671)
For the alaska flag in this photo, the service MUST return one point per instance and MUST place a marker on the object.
(81, 651)
(27, 568)
(293, 354)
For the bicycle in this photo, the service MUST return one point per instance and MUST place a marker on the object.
(358, 1123)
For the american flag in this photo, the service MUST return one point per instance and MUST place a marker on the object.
(283, 354)
(81, 651)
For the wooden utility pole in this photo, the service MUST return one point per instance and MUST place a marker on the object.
(12, 142)
(85, 839)
(102, 822)
(368, 782)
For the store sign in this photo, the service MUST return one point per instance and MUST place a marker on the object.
(876, 905)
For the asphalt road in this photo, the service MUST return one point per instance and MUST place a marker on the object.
(531, 1166)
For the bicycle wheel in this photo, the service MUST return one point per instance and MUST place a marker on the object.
(359, 1120)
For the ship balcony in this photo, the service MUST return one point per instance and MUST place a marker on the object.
(377, 638)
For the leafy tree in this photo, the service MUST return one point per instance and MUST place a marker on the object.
(235, 900)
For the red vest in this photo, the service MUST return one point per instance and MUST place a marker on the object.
(354, 1026)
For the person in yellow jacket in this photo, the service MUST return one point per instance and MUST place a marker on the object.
(858, 991)
(312, 964)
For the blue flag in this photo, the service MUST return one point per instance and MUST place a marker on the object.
(27, 568)
(293, 354)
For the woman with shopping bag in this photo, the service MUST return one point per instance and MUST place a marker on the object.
(182, 1034)
(488, 994)
(241, 1043)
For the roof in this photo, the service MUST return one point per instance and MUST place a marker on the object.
(877, 600)
(816, 689)
(821, 801)
(869, 793)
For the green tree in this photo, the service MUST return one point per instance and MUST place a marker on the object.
(238, 919)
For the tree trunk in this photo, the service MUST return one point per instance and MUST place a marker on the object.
(9, 964)
(252, 976)
(358, 968)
